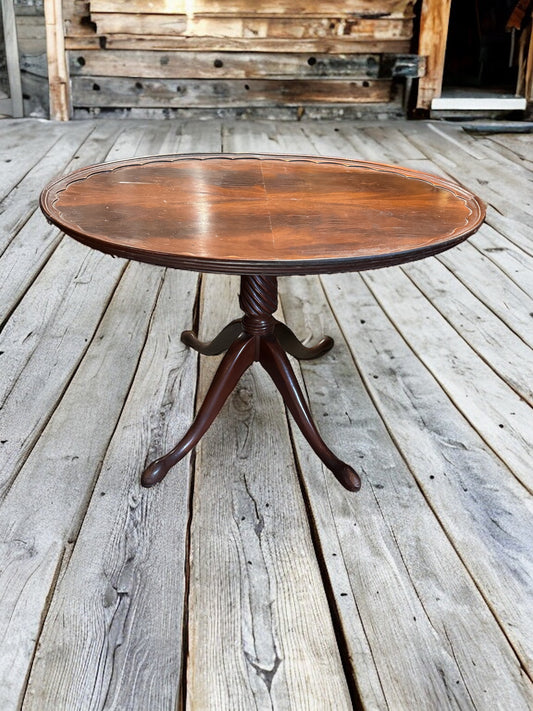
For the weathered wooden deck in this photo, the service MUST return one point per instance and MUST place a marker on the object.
(250, 578)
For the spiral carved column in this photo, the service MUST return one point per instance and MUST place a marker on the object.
(258, 299)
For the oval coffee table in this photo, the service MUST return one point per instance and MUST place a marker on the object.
(260, 216)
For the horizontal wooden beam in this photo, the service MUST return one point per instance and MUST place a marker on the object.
(298, 8)
(232, 65)
(253, 27)
(329, 45)
(186, 93)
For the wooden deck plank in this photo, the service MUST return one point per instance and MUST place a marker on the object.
(115, 621)
(467, 261)
(499, 414)
(492, 340)
(513, 147)
(43, 342)
(253, 568)
(23, 149)
(492, 287)
(23, 199)
(393, 550)
(467, 488)
(58, 477)
(493, 181)
(49, 332)
(32, 240)
(53, 526)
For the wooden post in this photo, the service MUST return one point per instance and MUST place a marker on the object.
(528, 89)
(15, 107)
(434, 20)
(58, 76)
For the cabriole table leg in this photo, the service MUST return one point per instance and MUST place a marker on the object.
(258, 336)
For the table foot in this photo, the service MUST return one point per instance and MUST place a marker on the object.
(219, 344)
(275, 362)
(292, 345)
(237, 360)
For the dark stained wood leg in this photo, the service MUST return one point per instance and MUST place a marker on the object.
(257, 337)
(276, 363)
(292, 345)
(237, 360)
(219, 344)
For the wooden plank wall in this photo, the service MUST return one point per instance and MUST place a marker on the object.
(229, 54)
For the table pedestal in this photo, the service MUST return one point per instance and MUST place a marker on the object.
(258, 336)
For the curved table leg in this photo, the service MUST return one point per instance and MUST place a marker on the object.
(219, 344)
(237, 360)
(277, 365)
(291, 344)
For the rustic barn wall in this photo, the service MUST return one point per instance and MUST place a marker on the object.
(235, 55)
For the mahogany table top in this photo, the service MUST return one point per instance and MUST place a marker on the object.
(262, 214)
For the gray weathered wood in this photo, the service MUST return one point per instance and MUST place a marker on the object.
(442, 527)
(494, 342)
(36, 361)
(104, 374)
(12, 58)
(119, 91)
(58, 477)
(368, 443)
(23, 199)
(22, 152)
(50, 330)
(484, 512)
(117, 612)
(35, 240)
(501, 416)
(492, 286)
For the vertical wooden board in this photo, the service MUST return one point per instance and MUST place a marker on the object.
(433, 641)
(485, 513)
(434, 18)
(260, 631)
(58, 77)
(112, 636)
(11, 49)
